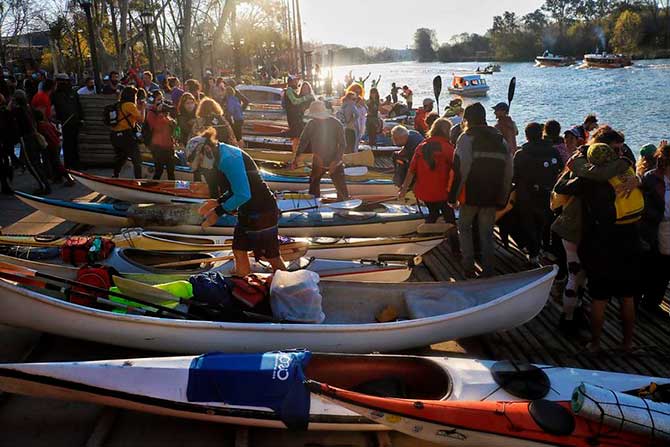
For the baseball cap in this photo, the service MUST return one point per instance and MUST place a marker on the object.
(501, 106)
(647, 150)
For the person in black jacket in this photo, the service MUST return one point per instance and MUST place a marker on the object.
(69, 113)
(656, 216)
(536, 168)
(483, 167)
(8, 139)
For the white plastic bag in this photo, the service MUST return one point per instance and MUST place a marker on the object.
(295, 296)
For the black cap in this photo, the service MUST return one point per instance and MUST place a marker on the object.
(475, 114)
(501, 106)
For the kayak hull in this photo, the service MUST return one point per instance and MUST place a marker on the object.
(157, 385)
(464, 309)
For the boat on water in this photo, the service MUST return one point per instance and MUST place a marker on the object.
(607, 60)
(427, 313)
(395, 220)
(549, 59)
(370, 183)
(345, 248)
(147, 265)
(472, 85)
(161, 385)
(503, 423)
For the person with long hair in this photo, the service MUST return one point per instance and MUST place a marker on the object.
(186, 109)
(241, 190)
(210, 114)
(372, 117)
(430, 171)
(32, 154)
(295, 105)
(655, 232)
(353, 115)
(161, 143)
(124, 136)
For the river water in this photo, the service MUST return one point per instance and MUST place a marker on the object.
(635, 100)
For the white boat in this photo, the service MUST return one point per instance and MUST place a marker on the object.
(428, 313)
(472, 85)
(160, 386)
(396, 220)
(318, 247)
(261, 94)
(549, 59)
(139, 264)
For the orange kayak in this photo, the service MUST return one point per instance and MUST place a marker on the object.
(491, 424)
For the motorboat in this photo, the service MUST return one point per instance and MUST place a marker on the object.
(472, 85)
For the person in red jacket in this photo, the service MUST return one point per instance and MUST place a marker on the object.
(162, 144)
(421, 114)
(52, 137)
(431, 172)
(42, 99)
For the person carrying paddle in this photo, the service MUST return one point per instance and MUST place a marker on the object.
(506, 125)
(324, 136)
(421, 114)
(244, 193)
(482, 184)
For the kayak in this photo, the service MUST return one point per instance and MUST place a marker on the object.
(355, 185)
(361, 158)
(280, 143)
(396, 220)
(428, 313)
(135, 263)
(161, 385)
(491, 423)
(317, 247)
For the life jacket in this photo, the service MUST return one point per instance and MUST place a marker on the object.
(252, 289)
(628, 208)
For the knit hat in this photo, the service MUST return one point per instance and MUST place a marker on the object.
(475, 114)
(601, 153)
(647, 150)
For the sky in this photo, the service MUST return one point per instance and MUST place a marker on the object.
(391, 23)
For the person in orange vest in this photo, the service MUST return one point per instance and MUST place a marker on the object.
(421, 114)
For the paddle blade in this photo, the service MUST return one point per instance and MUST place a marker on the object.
(511, 90)
(437, 89)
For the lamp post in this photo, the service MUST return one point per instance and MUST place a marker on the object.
(199, 36)
(147, 19)
(210, 44)
(237, 47)
(86, 6)
(182, 55)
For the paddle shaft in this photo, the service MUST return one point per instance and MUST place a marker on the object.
(510, 91)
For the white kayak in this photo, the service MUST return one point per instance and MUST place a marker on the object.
(318, 247)
(161, 385)
(145, 265)
(427, 313)
(396, 220)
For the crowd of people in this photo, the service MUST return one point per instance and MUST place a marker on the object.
(576, 197)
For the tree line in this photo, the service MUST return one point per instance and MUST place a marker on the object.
(567, 27)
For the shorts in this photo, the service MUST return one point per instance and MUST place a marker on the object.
(601, 289)
(264, 242)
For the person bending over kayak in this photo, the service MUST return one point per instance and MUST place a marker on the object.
(324, 136)
(243, 192)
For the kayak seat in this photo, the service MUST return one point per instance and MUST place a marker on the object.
(552, 417)
(424, 303)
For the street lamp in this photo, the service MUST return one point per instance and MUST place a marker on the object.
(200, 37)
(86, 6)
(182, 56)
(147, 19)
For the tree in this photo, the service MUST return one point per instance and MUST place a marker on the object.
(535, 21)
(627, 33)
(562, 11)
(425, 44)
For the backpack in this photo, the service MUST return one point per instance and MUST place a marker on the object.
(79, 250)
(94, 275)
(111, 114)
(628, 208)
(543, 172)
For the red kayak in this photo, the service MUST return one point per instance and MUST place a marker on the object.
(491, 424)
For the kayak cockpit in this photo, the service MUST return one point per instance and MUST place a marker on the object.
(384, 376)
(179, 238)
(150, 260)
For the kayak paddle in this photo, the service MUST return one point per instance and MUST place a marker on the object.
(510, 91)
(437, 89)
